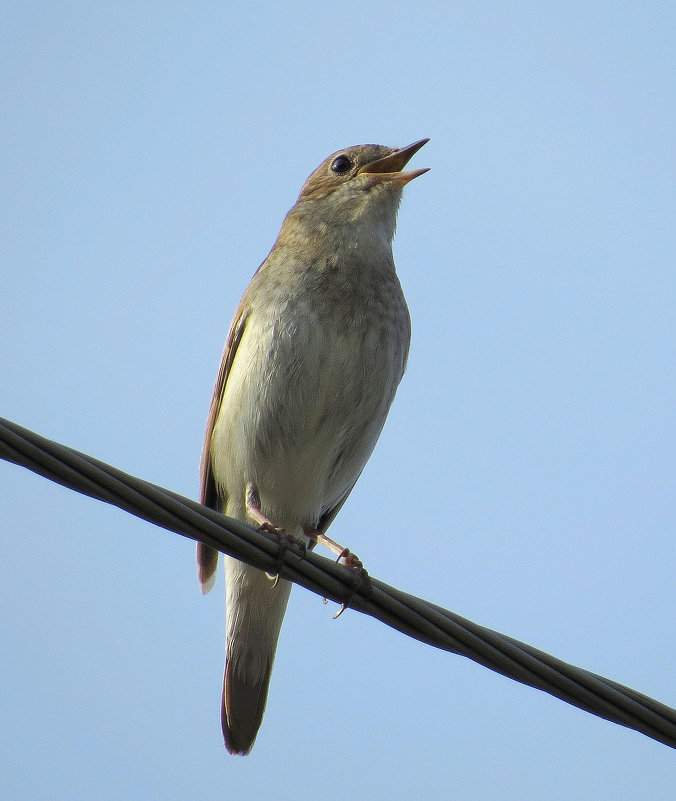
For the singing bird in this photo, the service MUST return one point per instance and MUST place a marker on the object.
(312, 361)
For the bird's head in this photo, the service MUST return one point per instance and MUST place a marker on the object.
(359, 185)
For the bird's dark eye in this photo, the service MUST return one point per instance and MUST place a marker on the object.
(341, 164)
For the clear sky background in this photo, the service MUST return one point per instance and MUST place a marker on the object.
(524, 479)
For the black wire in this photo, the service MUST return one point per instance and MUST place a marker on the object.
(413, 616)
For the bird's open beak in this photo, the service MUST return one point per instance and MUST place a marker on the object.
(390, 167)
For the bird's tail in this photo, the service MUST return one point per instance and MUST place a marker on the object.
(207, 562)
(255, 608)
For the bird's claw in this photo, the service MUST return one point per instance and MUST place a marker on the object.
(284, 539)
(271, 528)
(361, 581)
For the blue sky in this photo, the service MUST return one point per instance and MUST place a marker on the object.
(524, 479)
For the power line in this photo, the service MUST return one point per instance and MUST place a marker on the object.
(413, 616)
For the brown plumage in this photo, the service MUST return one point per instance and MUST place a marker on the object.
(313, 358)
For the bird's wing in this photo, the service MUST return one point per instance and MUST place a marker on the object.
(327, 518)
(207, 557)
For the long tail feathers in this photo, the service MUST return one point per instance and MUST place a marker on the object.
(255, 611)
(242, 708)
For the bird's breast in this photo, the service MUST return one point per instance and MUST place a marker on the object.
(308, 393)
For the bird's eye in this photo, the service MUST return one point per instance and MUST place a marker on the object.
(341, 164)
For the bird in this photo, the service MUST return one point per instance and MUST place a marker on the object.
(313, 358)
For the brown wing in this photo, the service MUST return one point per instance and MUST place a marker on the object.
(329, 515)
(207, 557)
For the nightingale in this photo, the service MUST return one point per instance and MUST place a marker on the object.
(311, 363)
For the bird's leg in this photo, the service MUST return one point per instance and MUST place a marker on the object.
(361, 579)
(253, 509)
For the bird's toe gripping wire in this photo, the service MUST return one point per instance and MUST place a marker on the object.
(361, 581)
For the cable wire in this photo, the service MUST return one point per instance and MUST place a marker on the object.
(413, 616)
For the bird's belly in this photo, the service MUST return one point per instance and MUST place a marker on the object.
(300, 416)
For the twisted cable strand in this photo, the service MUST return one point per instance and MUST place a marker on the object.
(413, 616)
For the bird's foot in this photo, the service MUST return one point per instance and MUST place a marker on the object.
(253, 508)
(283, 540)
(361, 581)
